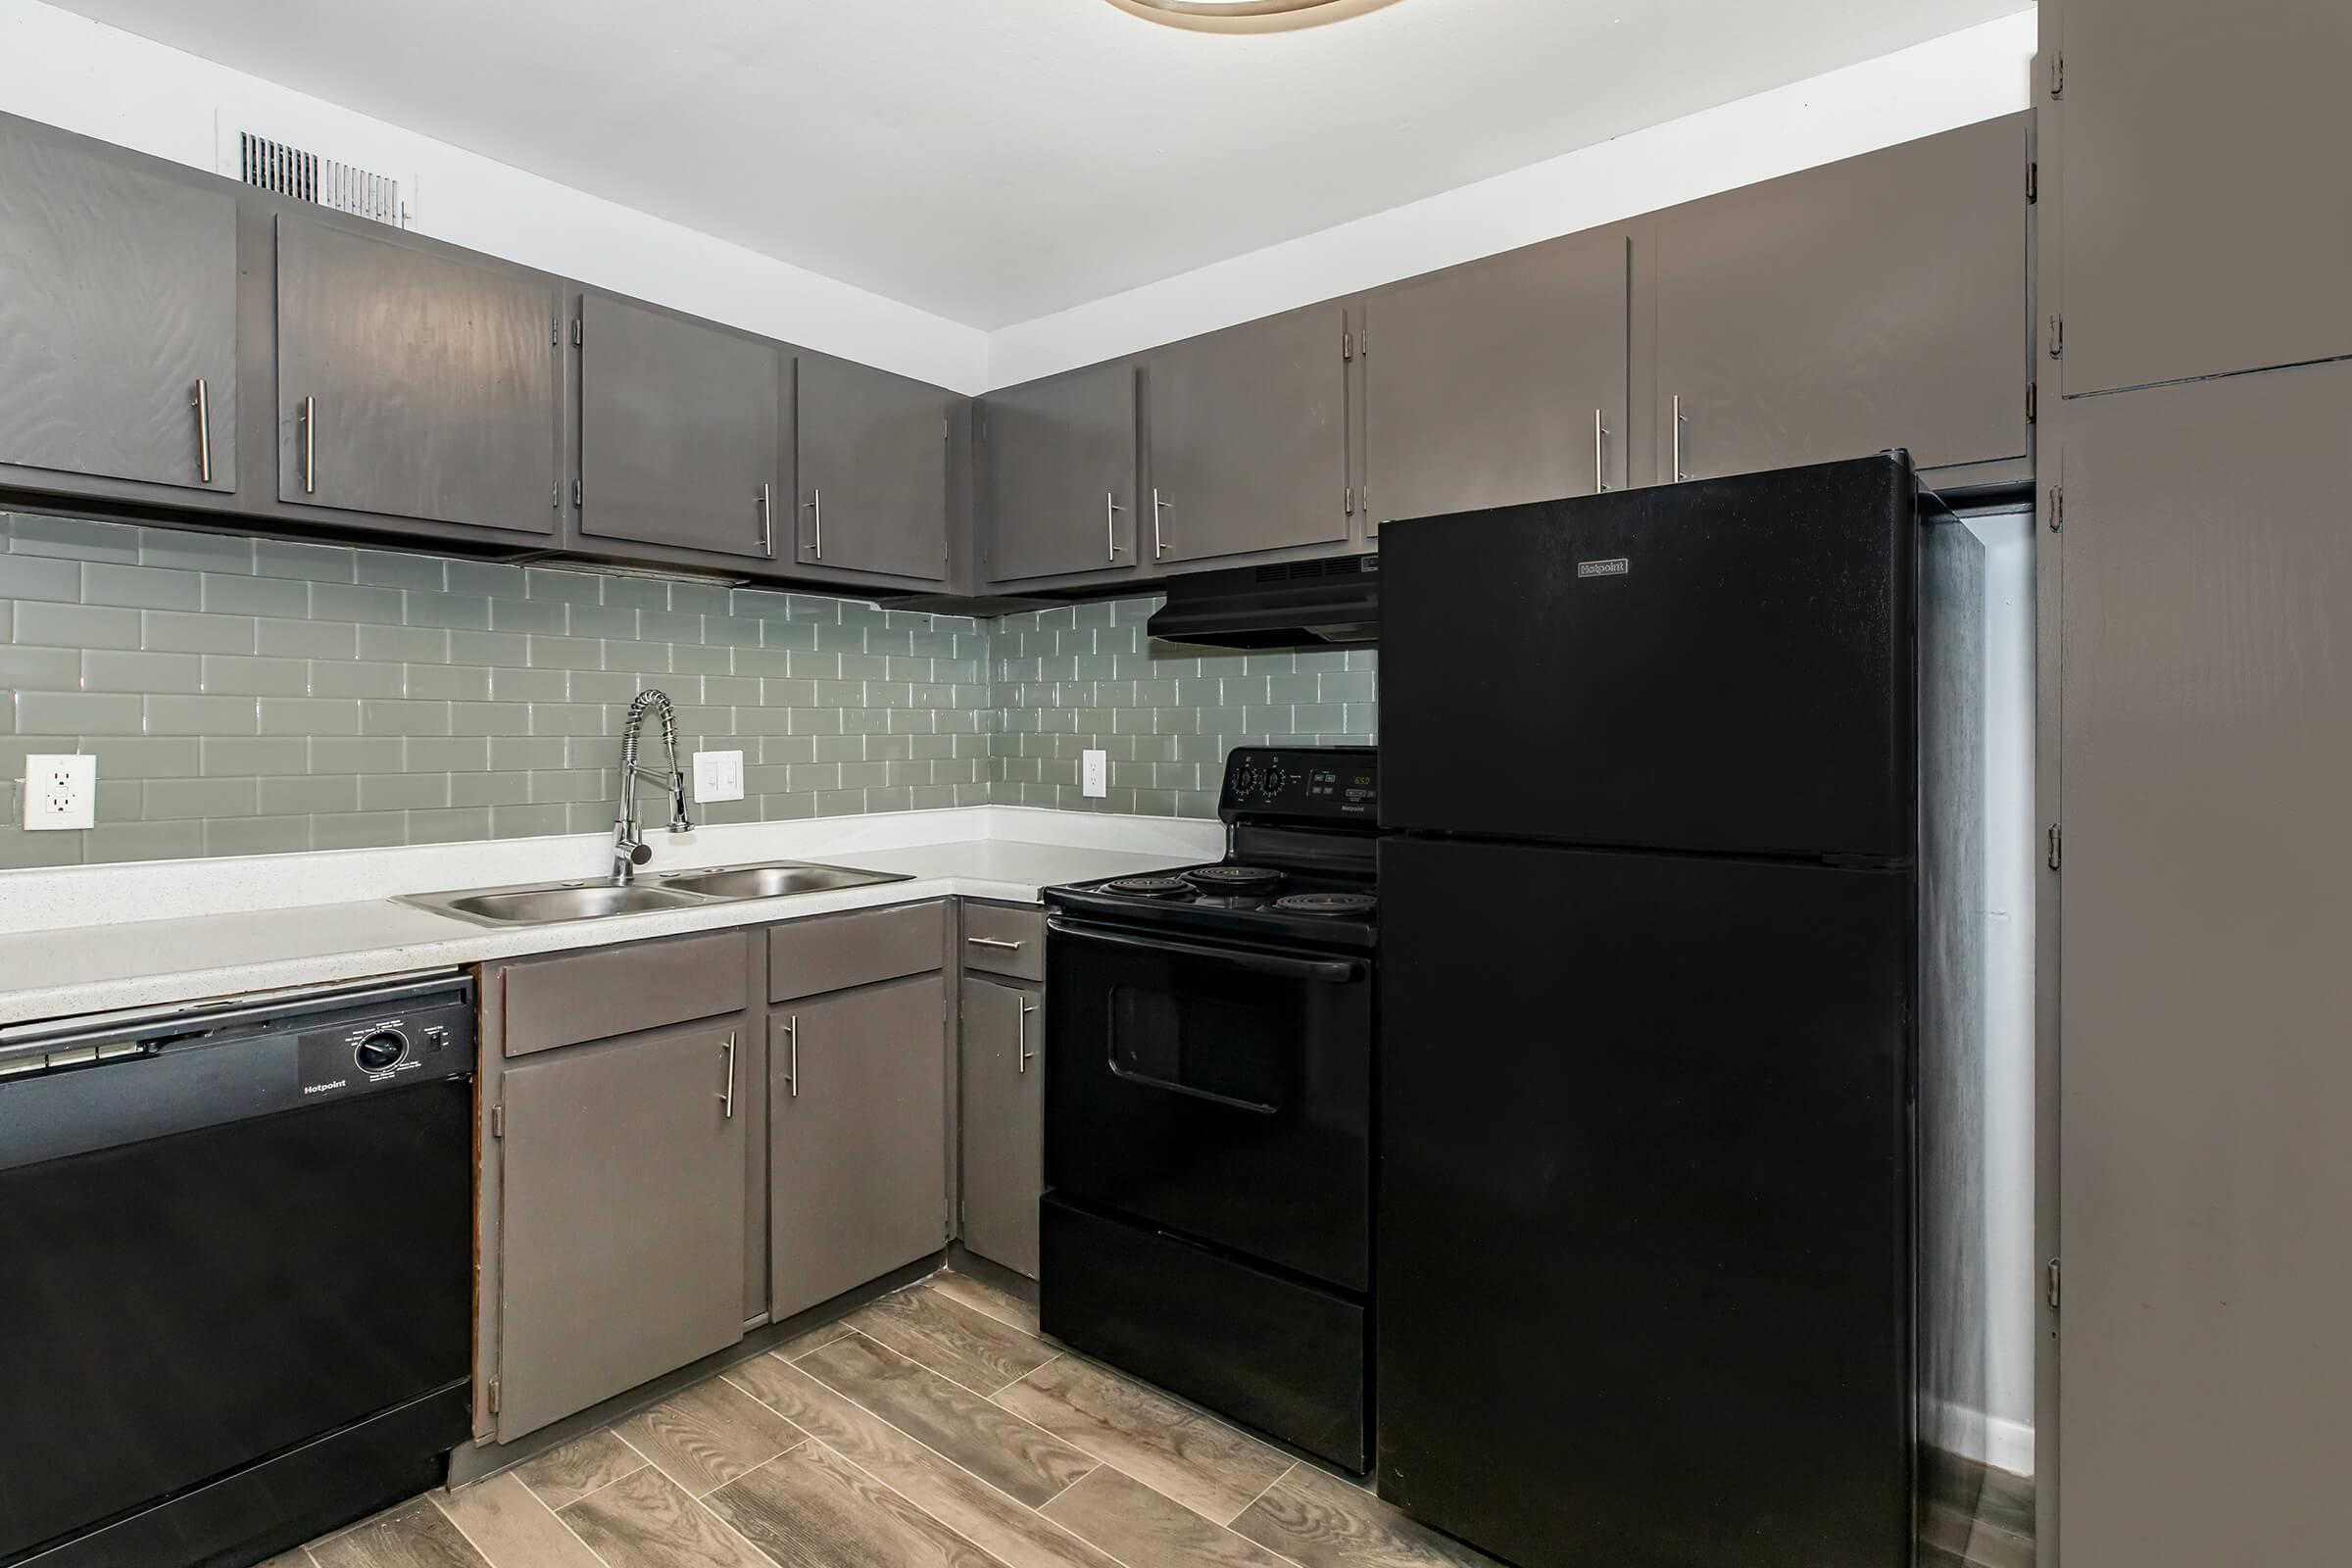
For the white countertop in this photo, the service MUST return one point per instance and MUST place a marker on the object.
(245, 926)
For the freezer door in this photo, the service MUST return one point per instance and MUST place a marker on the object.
(1724, 664)
(1644, 1237)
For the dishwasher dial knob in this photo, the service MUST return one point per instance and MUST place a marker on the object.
(381, 1051)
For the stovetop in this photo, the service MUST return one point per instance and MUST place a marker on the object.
(1299, 866)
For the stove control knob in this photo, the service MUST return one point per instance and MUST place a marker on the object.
(381, 1051)
(1245, 779)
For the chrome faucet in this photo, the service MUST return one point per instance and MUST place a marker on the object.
(629, 848)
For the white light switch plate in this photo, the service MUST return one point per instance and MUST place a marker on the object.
(1094, 774)
(60, 792)
(717, 776)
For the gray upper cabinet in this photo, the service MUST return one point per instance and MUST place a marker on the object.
(621, 1216)
(1499, 382)
(1003, 1121)
(2207, 733)
(681, 433)
(415, 385)
(857, 1137)
(1873, 302)
(873, 470)
(2206, 215)
(1246, 433)
(1059, 456)
(118, 317)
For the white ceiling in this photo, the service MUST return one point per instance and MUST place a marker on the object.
(994, 161)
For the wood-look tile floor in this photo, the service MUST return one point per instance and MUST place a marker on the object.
(932, 1429)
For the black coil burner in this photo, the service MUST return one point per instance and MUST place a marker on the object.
(1327, 903)
(1235, 878)
(1149, 887)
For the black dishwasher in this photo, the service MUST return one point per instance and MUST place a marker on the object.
(237, 1271)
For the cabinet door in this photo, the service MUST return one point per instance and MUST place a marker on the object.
(621, 1252)
(118, 317)
(857, 1137)
(680, 433)
(2207, 705)
(874, 462)
(413, 385)
(1497, 383)
(1003, 1121)
(1247, 433)
(1873, 302)
(2205, 217)
(1060, 458)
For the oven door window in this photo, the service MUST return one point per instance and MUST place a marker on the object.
(1219, 1092)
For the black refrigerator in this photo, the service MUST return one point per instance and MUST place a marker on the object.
(1651, 990)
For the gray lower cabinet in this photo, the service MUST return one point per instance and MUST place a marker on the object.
(682, 435)
(2206, 215)
(1003, 1120)
(1498, 382)
(858, 1137)
(411, 384)
(1060, 457)
(2207, 731)
(621, 1204)
(1879, 302)
(873, 470)
(118, 317)
(1246, 432)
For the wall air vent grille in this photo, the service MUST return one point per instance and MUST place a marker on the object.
(290, 171)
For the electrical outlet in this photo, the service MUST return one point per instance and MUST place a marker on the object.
(1094, 774)
(60, 792)
(717, 776)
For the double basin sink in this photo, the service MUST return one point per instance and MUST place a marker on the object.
(547, 902)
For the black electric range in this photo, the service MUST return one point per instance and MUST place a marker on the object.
(1208, 1109)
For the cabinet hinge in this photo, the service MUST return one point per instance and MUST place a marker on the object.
(1347, 499)
(498, 1121)
(2053, 1285)
(555, 499)
(2057, 75)
(580, 330)
(2057, 844)
(495, 1396)
(1346, 345)
(2057, 337)
(2033, 183)
(2057, 508)
(576, 495)
(554, 332)
(2032, 402)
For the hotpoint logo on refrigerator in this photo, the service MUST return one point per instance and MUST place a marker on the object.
(1617, 566)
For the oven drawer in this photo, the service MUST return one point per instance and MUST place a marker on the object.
(1267, 1351)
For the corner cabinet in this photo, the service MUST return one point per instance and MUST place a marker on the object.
(682, 433)
(874, 471)
(619, 1183)
(119, 316)
(1879, 302)
(1247, 440)
(1059, 458)
(415, 385)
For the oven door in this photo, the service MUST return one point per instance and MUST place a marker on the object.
(1217, 1090)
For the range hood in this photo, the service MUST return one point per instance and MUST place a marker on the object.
(1292, 604)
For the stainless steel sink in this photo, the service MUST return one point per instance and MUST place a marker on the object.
(548, 903)
(773, 880)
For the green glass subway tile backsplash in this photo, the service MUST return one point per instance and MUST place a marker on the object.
(256, 696)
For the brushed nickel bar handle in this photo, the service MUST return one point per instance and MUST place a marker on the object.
(767, 530)
(816, 505)
(729, 1096)
(1678, 474)
(1020, 1034)
(1158, 545)
(309, 446)
(204, 432)
(993, 941)
(1110, 529)
(1600, 470)
(792, 1062)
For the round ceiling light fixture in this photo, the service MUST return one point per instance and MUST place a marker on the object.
(1247, 16)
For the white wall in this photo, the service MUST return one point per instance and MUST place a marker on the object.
(1956, 81)
(72, 72)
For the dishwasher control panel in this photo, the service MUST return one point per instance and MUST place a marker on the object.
(374, 1049)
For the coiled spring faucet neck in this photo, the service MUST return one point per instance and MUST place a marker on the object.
(629, 850)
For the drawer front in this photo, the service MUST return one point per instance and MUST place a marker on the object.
(834, 951)
(1004, 940)
(605, 992)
